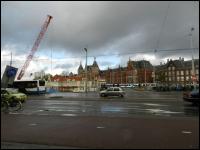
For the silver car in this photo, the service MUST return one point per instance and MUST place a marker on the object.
(112, 91)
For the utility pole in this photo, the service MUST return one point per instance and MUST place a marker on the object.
(193, 69)
(144, 71)
(11, 60)
(49, 78)
(86, 71)
(154, 70)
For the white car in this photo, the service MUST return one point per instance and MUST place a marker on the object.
(112, 91)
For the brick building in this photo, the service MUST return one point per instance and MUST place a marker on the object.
(177, 72)
(135, 72)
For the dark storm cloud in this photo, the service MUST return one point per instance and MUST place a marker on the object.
(104, 27)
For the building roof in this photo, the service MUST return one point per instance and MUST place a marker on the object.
(180, 64)
(80, 67)
(60, 78)
(95, 64)
(141, 64)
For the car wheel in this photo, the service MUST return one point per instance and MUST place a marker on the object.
(4, 106)
(102, 95)
(15, 105)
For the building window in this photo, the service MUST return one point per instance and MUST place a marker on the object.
(187, 72)
(169, 73)
(170, 79)
(182, 72)
(173, 68)
(187, 78)
(165, 78)
(173, 78)
(168, 68)
(173, 73)
(166, 73)
(178, 79)
(177, 72)
(182, 78)
(197, 71)
(191, 71)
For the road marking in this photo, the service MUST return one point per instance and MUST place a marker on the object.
(32, 124)
(150, 98)
(186, 132)
(151, 104)
(100, 127)
(43, 114)
(68, 115)
(13, 113)
(161, 111)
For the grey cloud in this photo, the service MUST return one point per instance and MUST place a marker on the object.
(105, 27)
(64, 66)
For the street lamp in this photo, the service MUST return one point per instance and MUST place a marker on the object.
(144, 72)
(193, 69)
(11, 60)
(86, 71)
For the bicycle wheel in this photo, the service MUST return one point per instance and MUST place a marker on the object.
(4, 106)
(15, 105)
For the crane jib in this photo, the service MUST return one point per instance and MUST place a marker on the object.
(35, 46)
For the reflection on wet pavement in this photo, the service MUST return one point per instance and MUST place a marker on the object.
(108, 108)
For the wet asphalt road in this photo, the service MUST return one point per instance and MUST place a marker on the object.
(88, 121)
(137, 103)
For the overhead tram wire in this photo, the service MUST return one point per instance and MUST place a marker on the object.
(162, 26)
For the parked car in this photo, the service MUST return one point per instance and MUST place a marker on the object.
(112, 91)
(192, 96)
(11, 95)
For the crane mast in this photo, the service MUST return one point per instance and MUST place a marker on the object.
(35, 46)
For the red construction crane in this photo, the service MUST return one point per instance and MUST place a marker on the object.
(35, 46)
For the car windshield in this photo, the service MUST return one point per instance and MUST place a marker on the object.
(195, 91)
(110, 89)
(11, 92)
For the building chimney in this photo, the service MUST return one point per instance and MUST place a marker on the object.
(179, 58)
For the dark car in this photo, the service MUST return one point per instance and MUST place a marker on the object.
(112, 91)
(192, 96)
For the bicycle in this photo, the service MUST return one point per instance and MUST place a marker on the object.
(10, 105)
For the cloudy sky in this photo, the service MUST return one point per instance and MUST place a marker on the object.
(112, 32)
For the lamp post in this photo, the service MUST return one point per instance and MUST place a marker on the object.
(11, 59)
(144, 72)
(193, 69)
(86, 71)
